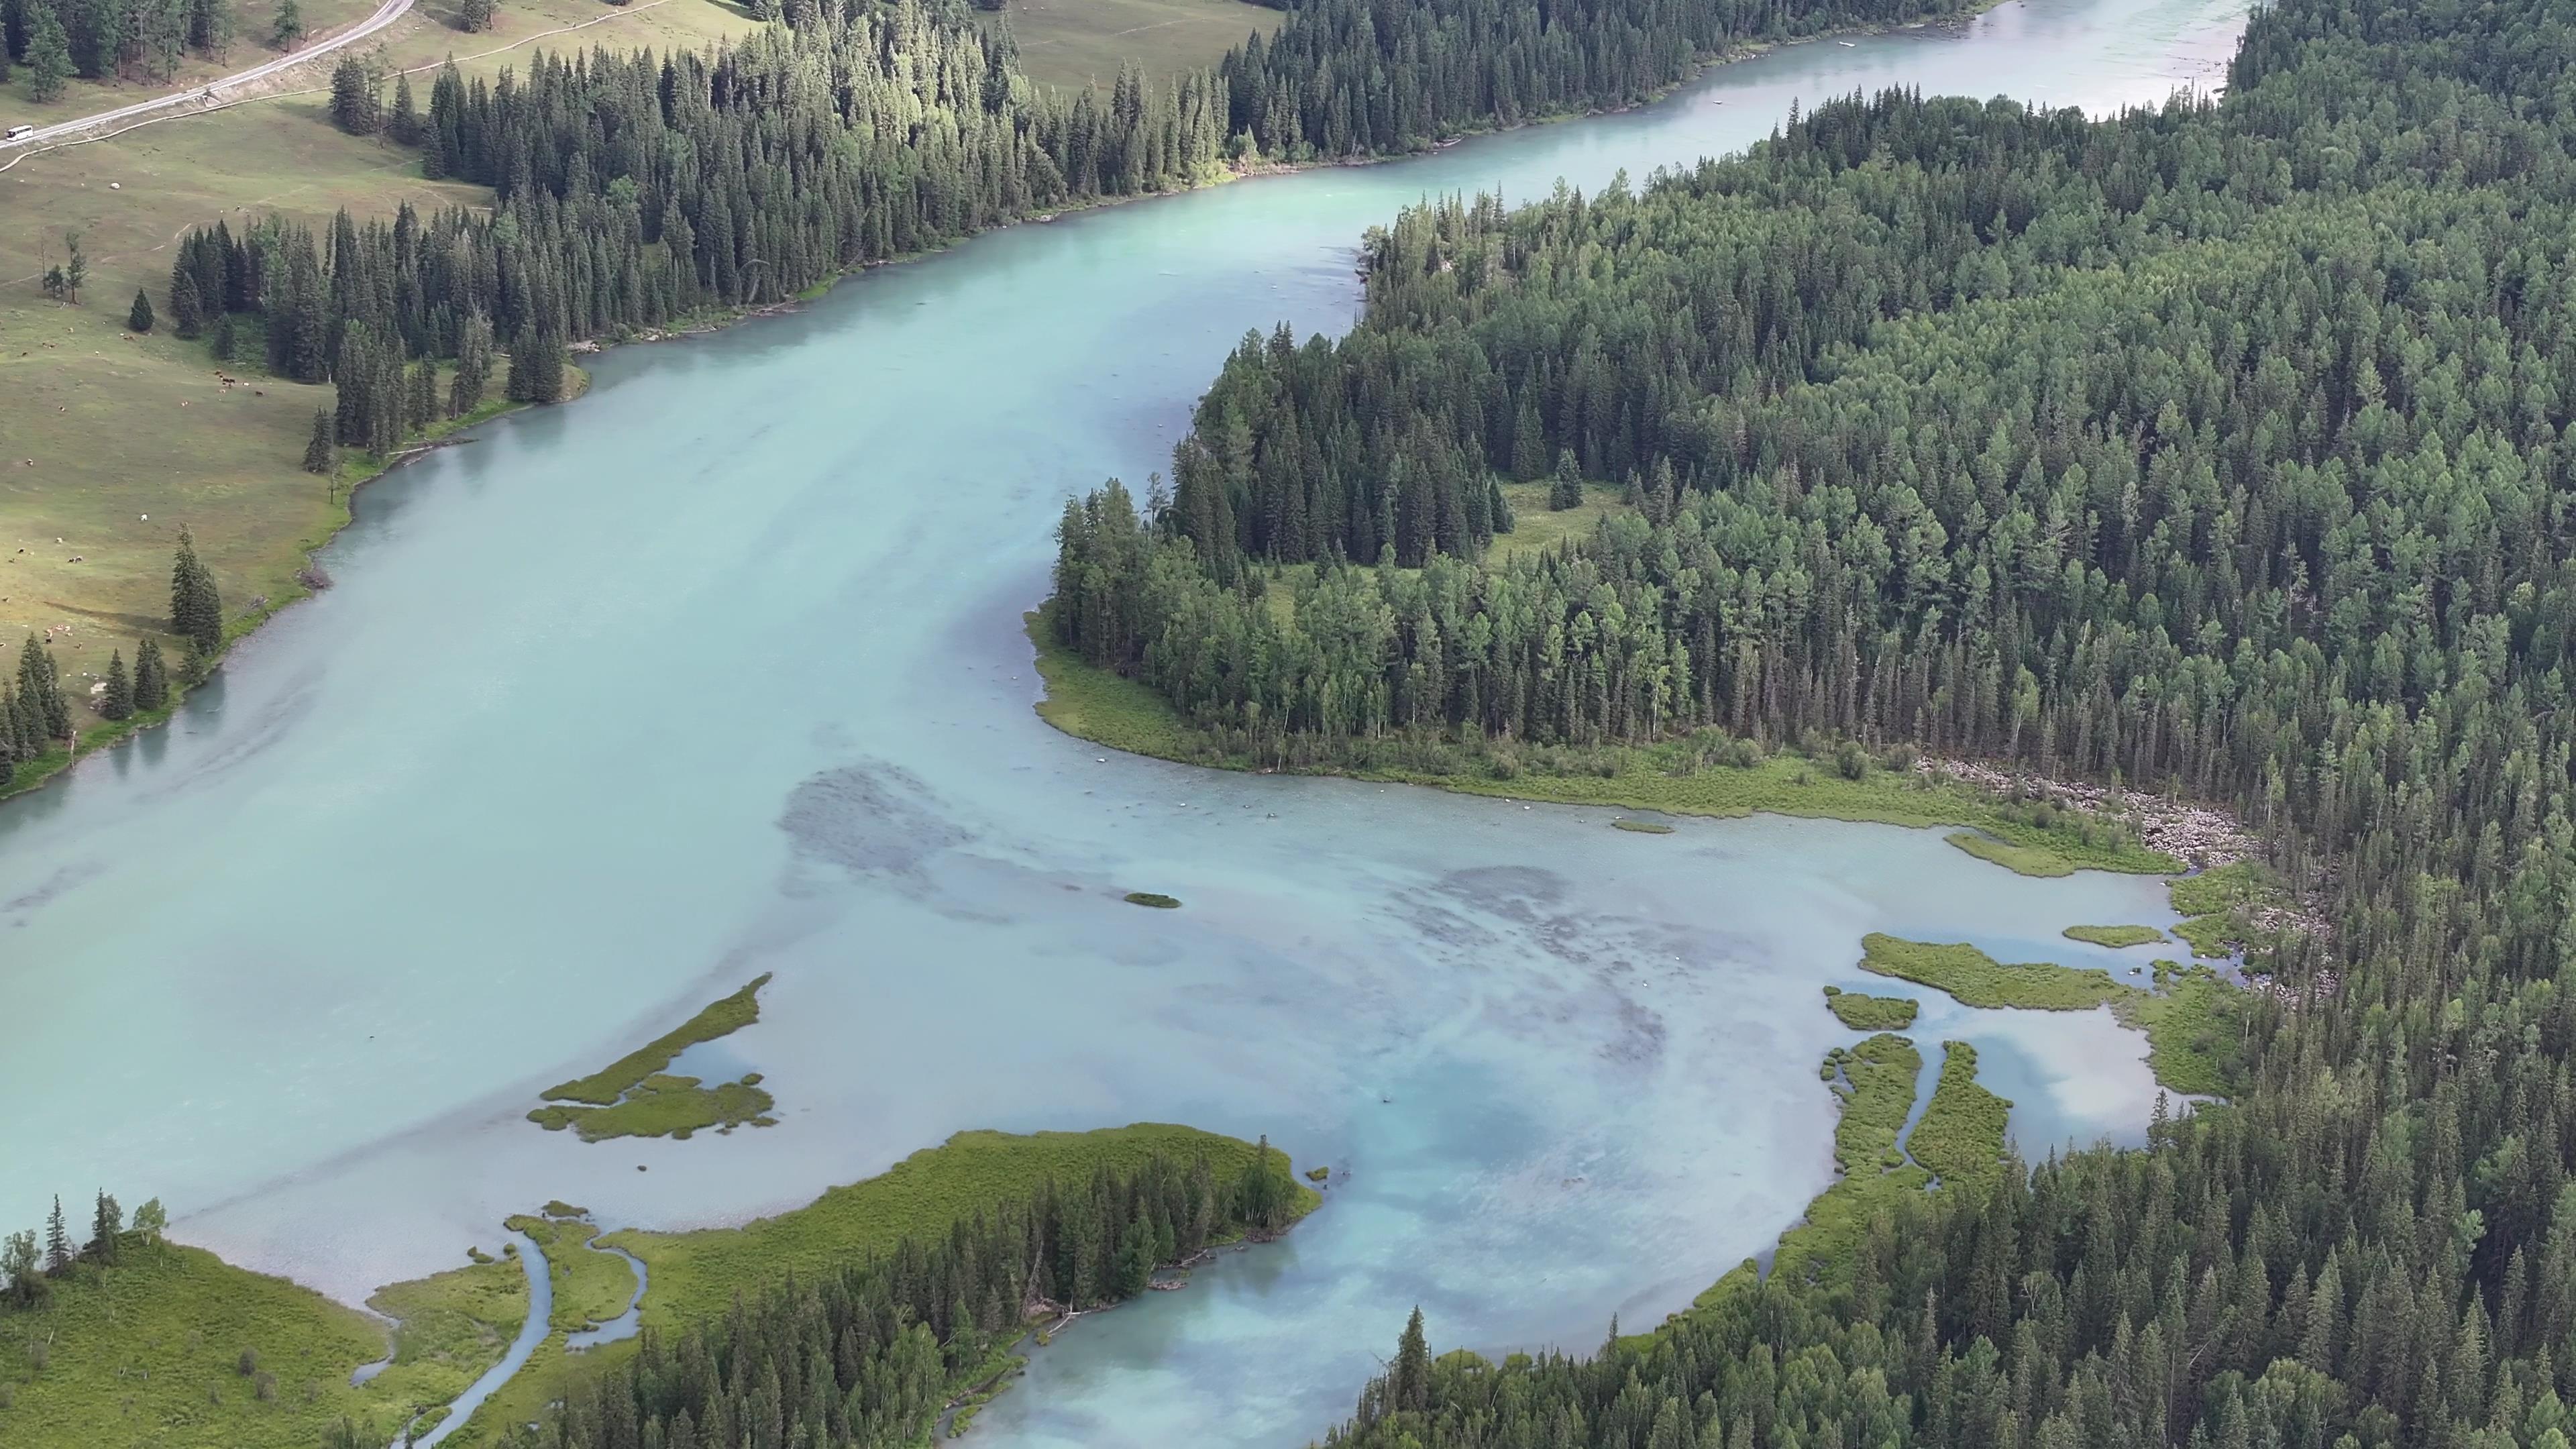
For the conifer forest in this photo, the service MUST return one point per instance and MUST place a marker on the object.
(2220, 449)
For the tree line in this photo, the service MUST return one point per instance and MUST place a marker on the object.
(31, 1265)
(2221, 449)
(873, 1353)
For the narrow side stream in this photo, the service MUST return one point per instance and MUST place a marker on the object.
(541, 1309)
(623, 1325)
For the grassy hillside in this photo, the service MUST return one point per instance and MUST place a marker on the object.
(176, 1349)
(1079, 42)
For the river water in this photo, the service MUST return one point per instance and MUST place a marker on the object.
(719, 671)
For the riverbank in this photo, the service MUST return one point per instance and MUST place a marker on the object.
(1681, 777)
(350, 472)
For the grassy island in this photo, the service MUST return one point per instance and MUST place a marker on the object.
(1863, 1012)
(634, 1097)
(2116, 937)
(1154, 900)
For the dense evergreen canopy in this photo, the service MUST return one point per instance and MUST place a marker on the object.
(2221, 448)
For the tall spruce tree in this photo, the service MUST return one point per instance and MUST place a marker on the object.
(151, 676)
(117, 701)
(196, 610)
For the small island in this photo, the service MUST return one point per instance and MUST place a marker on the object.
(1154, 900)
(635, 1097)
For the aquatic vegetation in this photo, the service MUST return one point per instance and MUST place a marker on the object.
(1641, 827)
(1154, 899)
(1863, 1012)
(719, 1018)
(1961, 1137)
(2114, 936)
(634, 1097)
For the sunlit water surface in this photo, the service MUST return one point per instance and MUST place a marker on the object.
(720, 671)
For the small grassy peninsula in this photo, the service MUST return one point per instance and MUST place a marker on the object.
(634, 1097)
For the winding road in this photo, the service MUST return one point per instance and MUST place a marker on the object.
(213, 91)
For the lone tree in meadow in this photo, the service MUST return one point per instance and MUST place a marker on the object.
(196, 610)
(138, 318)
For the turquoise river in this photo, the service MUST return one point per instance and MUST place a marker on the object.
(720, 671)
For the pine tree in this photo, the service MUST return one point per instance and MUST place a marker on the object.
(1566, 491)
(40, 692)
(403, 126)
(319, 455)
(353, 98)
(187, 311)
(138, 318)
(226, 341)
(118, 702)
(289, 26)
(474, 16)
(151, 677)
(1410, 1388)
(105, 1223)
(49, 54)
(196, 611)
(58, 1242)
(473, 367)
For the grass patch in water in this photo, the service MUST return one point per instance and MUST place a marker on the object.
(1961, 1137)
(634, 1097)
(1863, 1012)
(720, 1018)
(1641, 827)
(2116, 937)
(150, 1352)
(666, 1106)
(1156, 901)
(1978, 979)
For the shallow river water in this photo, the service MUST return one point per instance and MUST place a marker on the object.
(720, 671)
